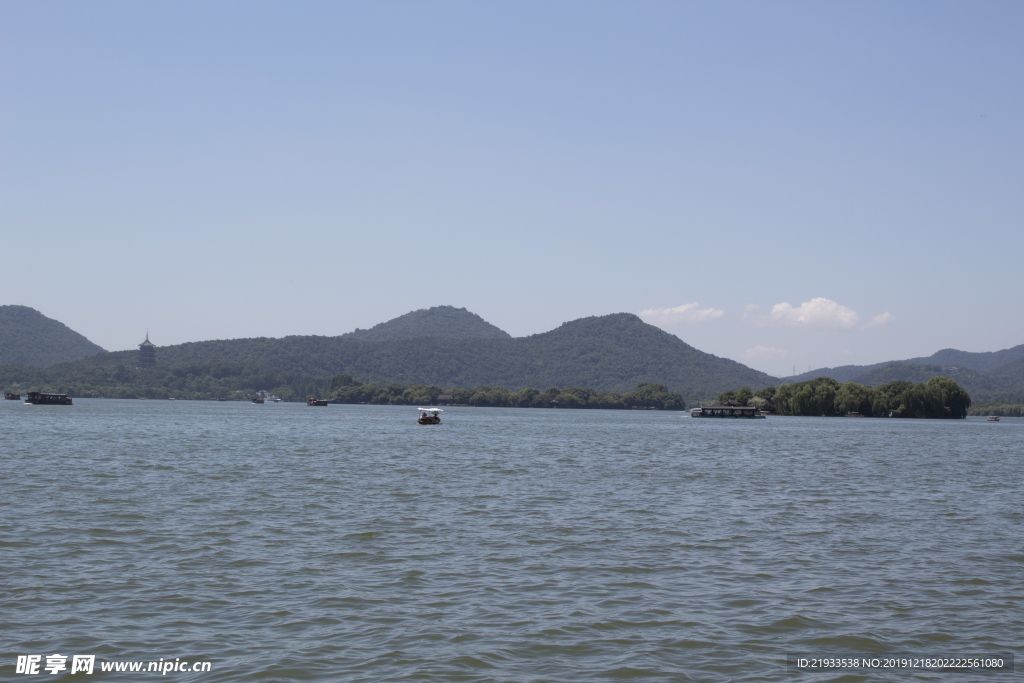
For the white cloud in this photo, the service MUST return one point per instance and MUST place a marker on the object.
(687, 313)
(882, 319)
(818, 312)
(750, 310)
(764, 352)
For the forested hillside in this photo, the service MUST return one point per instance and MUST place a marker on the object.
(976, 372)
(612, 353)
(916, 373)
(27, 337)
(993, 385)
(842, 373)
(439, 321)
(1007, 381)
(980, 362)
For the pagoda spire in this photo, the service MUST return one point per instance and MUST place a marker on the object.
(147, 353)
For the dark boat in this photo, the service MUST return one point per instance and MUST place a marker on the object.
(12, 397)
(727, 411)
(316, 402)
(257, 400)
(37, 398)
(429, 416)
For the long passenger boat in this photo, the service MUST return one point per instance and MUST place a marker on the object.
(37, 398)
(748, 412)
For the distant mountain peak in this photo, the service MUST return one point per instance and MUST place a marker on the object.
(437, 321)
(27, 337)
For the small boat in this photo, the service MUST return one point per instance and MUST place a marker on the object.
(993, 418)
(37, 398)
(429, 416)
(257, 400)
(273, 399)
(316, 401)
(12, 397)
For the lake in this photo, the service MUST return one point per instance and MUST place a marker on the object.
(282, 542)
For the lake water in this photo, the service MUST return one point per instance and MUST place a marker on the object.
(282, 542)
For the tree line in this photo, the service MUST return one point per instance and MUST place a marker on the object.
(240, 381)
(996, 408)
(345, 389)
(939, 397)
(201, 380)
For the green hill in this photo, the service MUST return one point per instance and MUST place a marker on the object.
(916, 373)
(27, 337)
(976, 383)
(842, 373)
(612, 353)
(439, 321)
(1009, 380)
(980, 362)
(1005, 383)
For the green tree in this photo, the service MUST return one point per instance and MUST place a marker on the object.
(854, 398)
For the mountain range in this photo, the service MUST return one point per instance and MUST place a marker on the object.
(452, 347)
(948, 358)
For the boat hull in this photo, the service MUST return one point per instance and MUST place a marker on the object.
(728, 412)
(38, 399)
(733, 417)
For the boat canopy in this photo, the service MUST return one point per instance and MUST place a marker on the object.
(431, 410)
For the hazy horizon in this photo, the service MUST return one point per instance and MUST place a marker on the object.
(784, 184)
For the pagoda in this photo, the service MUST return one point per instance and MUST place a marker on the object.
(147, 353)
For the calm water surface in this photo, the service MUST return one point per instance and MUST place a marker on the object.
(281, 542)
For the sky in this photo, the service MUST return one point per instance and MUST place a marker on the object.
(788, 184)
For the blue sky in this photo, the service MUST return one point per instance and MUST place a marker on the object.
(786, 184)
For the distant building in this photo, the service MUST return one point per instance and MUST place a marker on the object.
(445, 400)
(147, 353)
